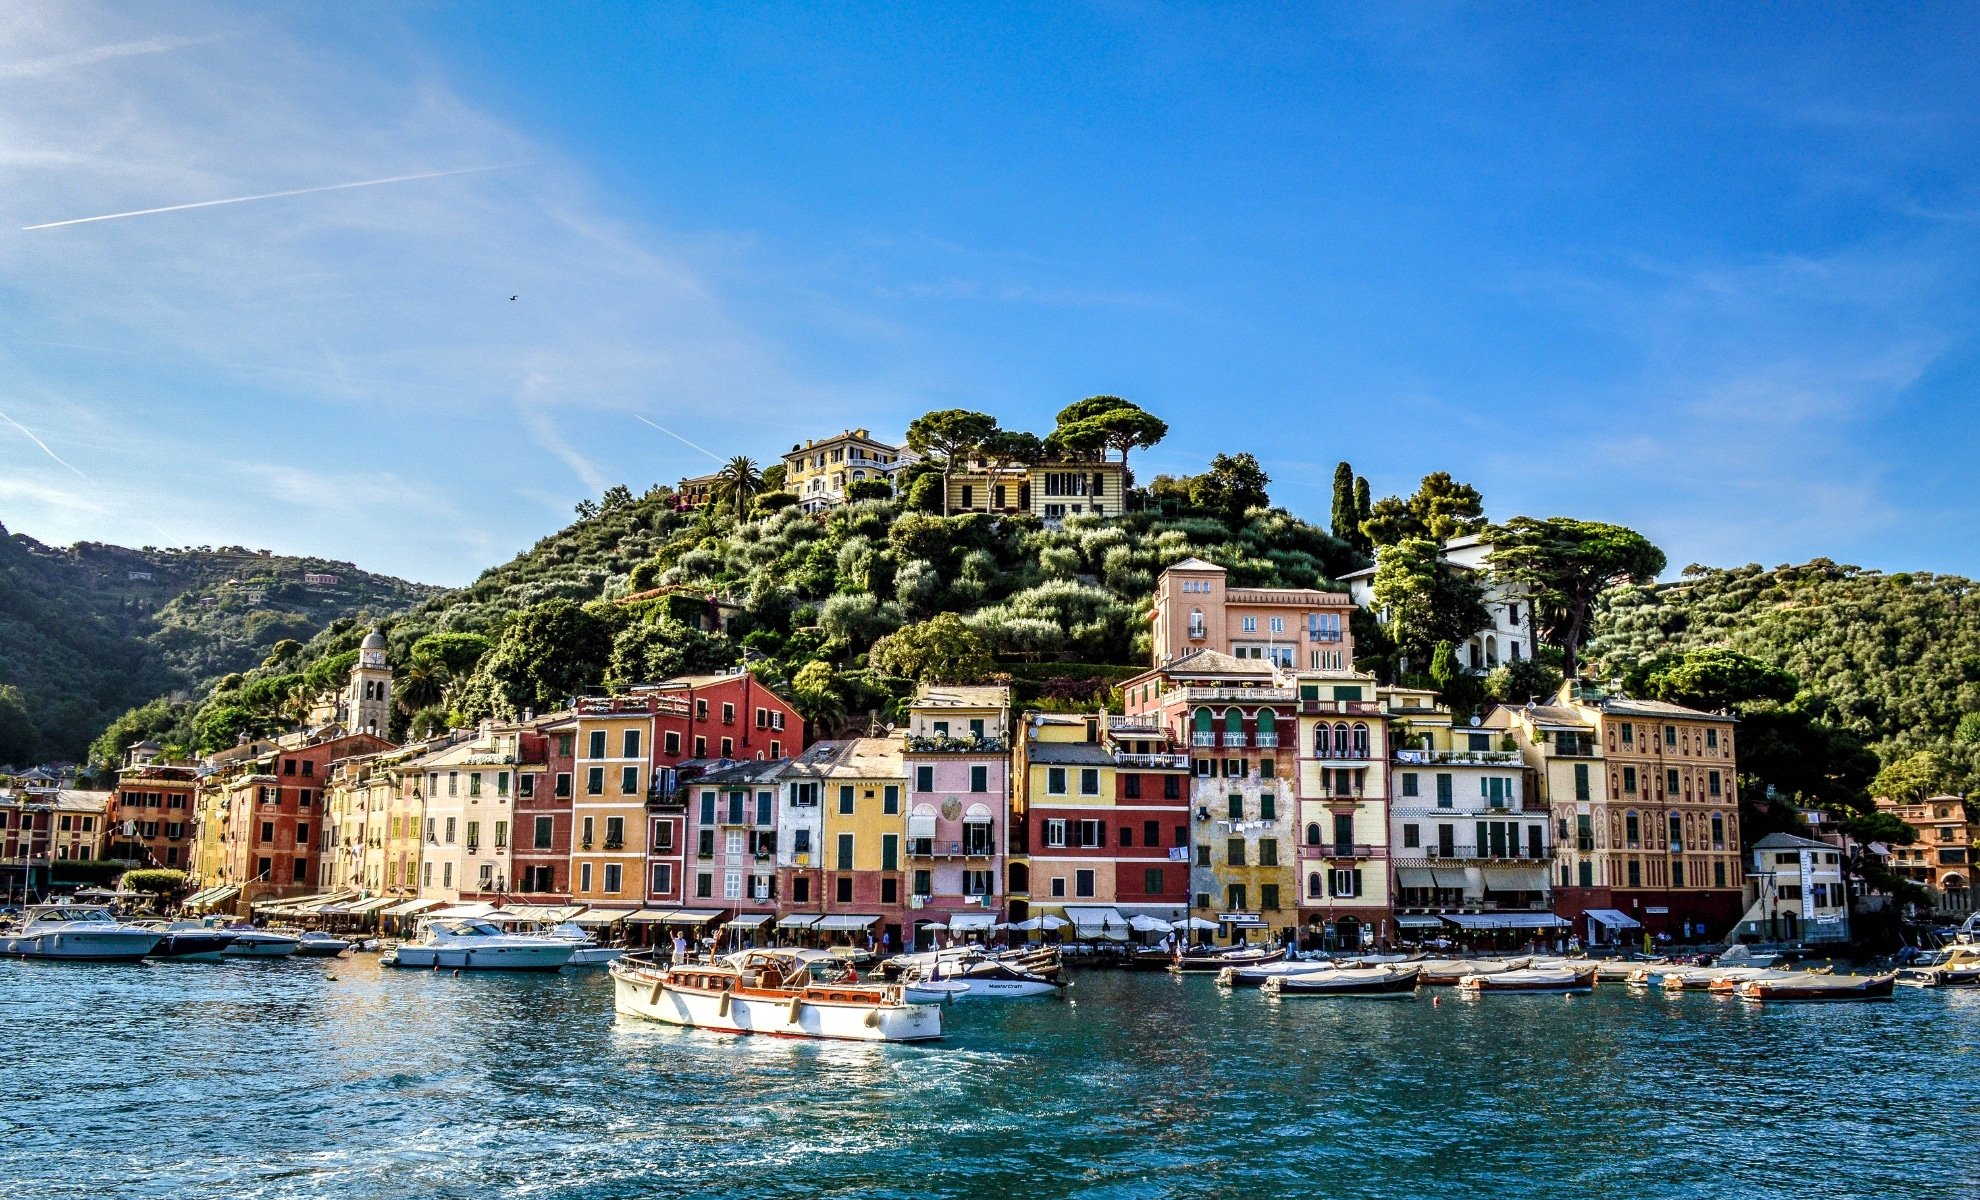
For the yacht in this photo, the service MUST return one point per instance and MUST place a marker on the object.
(189, 941)
(968, 971)
(315, 943)
(1956, 966)
(261, 943)
(781, 992)
(78, 932)
(472, 944)
(586, 953)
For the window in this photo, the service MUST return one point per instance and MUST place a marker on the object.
(1671, 784)
(615, 832)
(594, 781)
(662, 879)
(1580, 779)
(1635, 870)
(1083, 883)
(845, 799)
(1234, 897)
(446, 874)
(701, 747)
(1089, 781)
(924, 779)
(629, 781)
(597, 744)
(890, 799)
(979, 779)
(1718, 831)
(1346, 883)
(1677, 832)
(1268, 855)
(1268, 806)
(704, 884)
(728, 714)
(1251, 624)
(1203, 855)
(672, 742)
(1234, 852)
(474, 783)
(1711, 739)
(1055, 832)
(450, 831)
(1092, 834)
(1409, 787)
(1629, 779)
(844, 858)
(1670, 735)
(1055, 781)
(1412, 838)
(1628, 733)
(1268, 893)
(1718, 874)
(765, 808)
(473, 836)
(563, 789)
(501, 783)
(545, 827)
(1443, 790)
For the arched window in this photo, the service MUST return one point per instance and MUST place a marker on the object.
(1320, 740)
(1314, 887)
(1202, 722)
(1313, 833)
(1341, 740)
(1268, 722)
(1020, 878)
(1233, 720)
(1196, 622)
(1360, 740)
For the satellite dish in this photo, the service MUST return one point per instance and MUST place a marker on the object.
(1476, 720)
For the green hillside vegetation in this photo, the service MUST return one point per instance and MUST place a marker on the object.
(88, 630)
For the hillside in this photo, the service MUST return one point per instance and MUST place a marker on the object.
(1893, 659)
(89, 630)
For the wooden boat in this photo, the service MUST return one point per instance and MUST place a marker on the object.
(1957, 966)
(1446, 972)
(1217, 960)
(1701, 979)
(1390, 982)
(1804, 987)
(1532, 981)
(780, 992)
(1255, 976)
(1619, 970)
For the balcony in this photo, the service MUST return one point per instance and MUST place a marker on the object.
(944, 744)
(1340, 708)
(1267, 741)
(1424, 855)
(1162, 762)
(1459, 758)
(1243, 695)
(1343, 850)
(1203, 739)
(1234, 741)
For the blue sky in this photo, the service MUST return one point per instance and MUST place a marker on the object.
(1707, 271)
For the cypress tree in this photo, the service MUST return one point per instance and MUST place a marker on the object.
(1344, 514)
(1363, 509)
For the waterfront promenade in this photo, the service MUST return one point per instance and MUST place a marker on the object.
(248, 1079)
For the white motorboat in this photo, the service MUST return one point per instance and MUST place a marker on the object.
(1380, 981)
(1956, 966)
(1255, 976)
(1447, 972)
(315, 943)
(189, 941)
(1532, 981)
(586, 952)
(1711, 979)
(262, 943)
(472, 944)
(78, 932)
(785, 993)
(933, 991)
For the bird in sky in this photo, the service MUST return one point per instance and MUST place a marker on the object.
(512, 297)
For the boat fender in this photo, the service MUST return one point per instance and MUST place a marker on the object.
(797, 1006)
(653, 995)
(873, 1018)
(723, 1008)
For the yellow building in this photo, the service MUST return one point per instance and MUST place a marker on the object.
(1064, 797)
(612, 769)
(1049, 491)
(865, 832)
(820, 471)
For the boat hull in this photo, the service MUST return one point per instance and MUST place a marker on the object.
(188, 945)
(84, 945)
(1347, 985)
(596, 956)
(1828, 990)
(729, 1012)
(1530, 983)
(248, 946)
(1210, 964)
(482, 958)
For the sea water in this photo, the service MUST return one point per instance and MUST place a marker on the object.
(306, 1078)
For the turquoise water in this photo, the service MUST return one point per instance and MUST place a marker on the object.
(267, 1079)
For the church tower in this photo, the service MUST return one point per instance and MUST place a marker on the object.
(369, 699)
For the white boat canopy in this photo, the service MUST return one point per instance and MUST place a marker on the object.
(1614, 918)
(843, 923)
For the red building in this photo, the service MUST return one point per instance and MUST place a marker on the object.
(272, 811)
(151, 812)
(541, 857)
(1151, 818)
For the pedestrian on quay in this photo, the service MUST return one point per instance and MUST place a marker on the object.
(680, 947)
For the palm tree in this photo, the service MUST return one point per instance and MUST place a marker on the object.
(737, 482)
(421, 683)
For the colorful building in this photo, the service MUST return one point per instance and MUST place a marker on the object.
(865, 830)
(1942, 856)
(957, 754)
(1796, 891)
(1065, 776)
(1646, 815)
(1051, 491)
(819, 471)
(150, 822)
(1293, 628)
(613, 768)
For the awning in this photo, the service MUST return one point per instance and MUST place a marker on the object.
(797, 921)
(1097, 921)
(465, 911)
(689, 916)
(598, 917)
(1504, 920)
(747, 921)
(1450, 877)
(373, 904)
(1415, 877)
(843, 923)
(1418, 921)
(1613, 918)
(1142, 923)
(921, 827)
(213, 896)
(971, 922)
(556, 914)
(649, 916)
(410, 907)
(1516, 879)
(1246, 922)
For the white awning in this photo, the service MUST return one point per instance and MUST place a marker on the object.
(1516, 879)
(843, 923)
(797, 921)
(1613, 918)
(1418, 921)
(465, 911)
(597, 917)
(1504, 920)
(1450, 877)
(1097, 921)
(747, 921)
(373, 904)
(1048, 921)
(920, 826)
(689, 916)
(649, 916)
(971, 921)
(410, 907)
(556, 914)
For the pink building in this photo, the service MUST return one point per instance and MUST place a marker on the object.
(957, 755)
(1296, 628)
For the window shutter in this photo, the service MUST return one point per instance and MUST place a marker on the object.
(1357, 882)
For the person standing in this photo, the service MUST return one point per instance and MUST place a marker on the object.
(680, 947)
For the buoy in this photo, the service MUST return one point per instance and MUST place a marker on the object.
(1435, 1001)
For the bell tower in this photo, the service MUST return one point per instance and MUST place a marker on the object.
(369, 699)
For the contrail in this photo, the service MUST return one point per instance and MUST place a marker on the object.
(670, 433)
(37, 441)
(329, 187)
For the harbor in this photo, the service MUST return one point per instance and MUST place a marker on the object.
(445, 1084)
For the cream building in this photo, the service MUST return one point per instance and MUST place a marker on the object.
(820, 471)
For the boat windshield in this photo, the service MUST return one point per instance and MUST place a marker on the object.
(67, 913)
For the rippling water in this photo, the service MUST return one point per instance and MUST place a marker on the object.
(306, 1079)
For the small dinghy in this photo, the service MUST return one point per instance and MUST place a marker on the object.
(1711, 979)
(1446, 972)
(1806, 987)
(317, 944)
(1250, 977)
(1533, 981)
(1217, 960)
(1379, 982)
